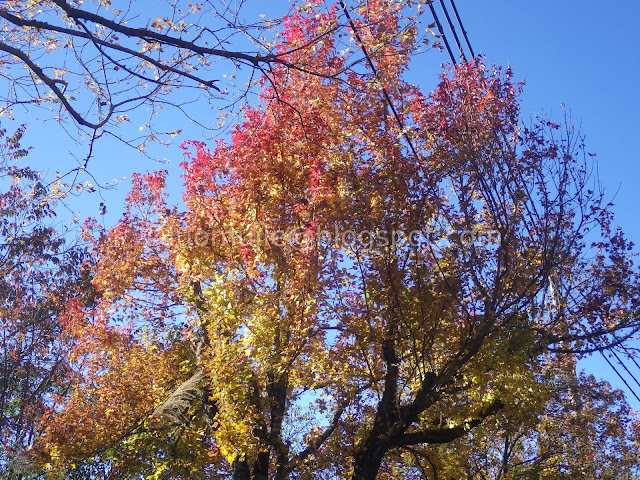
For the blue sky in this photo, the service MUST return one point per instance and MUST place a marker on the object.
(583, 54)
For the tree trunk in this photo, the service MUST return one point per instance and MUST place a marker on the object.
(261, 467)
(369, 458)
(240, 470)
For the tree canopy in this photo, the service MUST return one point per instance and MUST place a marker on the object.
(363, 282)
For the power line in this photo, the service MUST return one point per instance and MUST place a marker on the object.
(408, 139)
(625, 367)
(463, 57)
(631, 357)
(442, 35)
(464, 32)
(620, 376)
(375, 74)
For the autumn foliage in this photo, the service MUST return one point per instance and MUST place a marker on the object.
(363, 282)
(41, 275)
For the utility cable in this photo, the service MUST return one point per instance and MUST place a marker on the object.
(631, 357)
(375, 74)
(410, 143)
(463, 57)
(442, 35)
(464, 32)
(620, 376)
(625, 367)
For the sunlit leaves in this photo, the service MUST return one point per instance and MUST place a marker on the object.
(351, 288)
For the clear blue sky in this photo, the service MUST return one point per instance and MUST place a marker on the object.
(580, 53)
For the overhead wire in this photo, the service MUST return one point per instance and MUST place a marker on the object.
(620, 376)
(625, 367)
(631, 357)
(441, 32)
(463, 57)
(464, 32)
(374, 70)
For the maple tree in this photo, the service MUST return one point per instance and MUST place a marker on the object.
(364, 282)
(39, 272)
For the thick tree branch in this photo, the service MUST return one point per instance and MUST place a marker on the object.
(150, 35)
(445, 435)
(110, 45)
